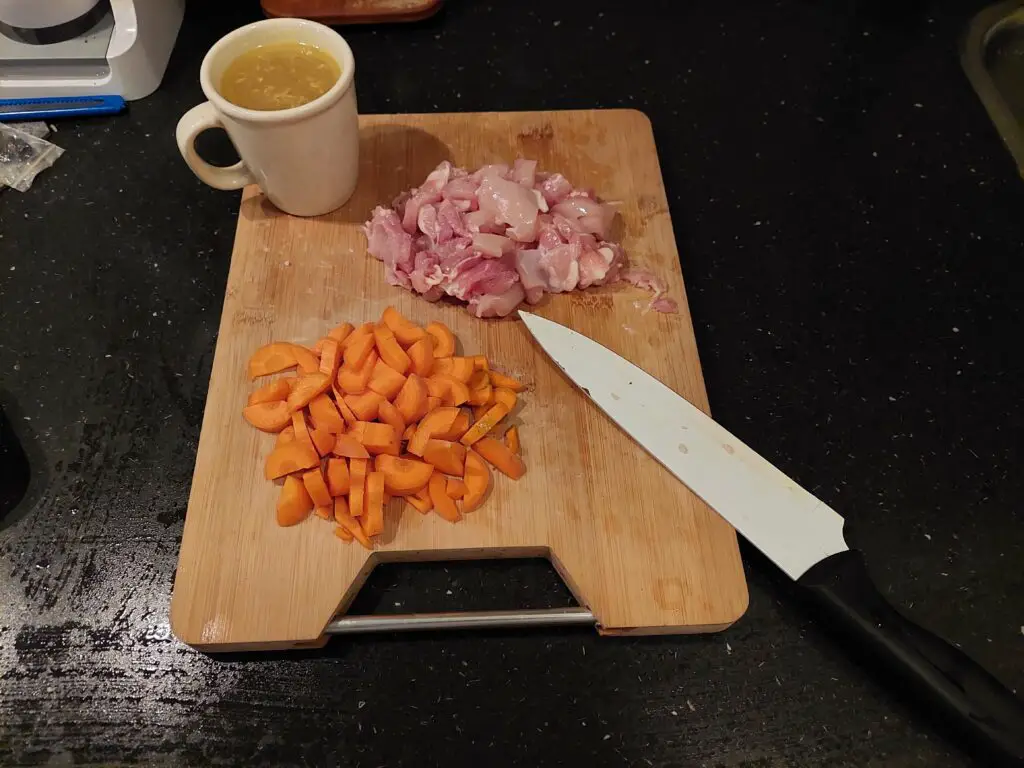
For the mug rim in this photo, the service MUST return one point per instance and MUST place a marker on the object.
(320, 103)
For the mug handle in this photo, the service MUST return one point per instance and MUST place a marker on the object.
(202, 118)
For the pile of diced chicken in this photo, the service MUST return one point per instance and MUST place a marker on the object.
(498, 236)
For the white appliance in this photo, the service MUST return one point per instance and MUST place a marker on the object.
(58, 48)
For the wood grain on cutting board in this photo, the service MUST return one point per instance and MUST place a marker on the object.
(633, 544)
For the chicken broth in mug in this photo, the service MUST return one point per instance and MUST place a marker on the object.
(279, 76)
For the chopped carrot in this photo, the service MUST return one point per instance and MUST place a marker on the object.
(346, 412)
(318, 348)
(323, 440)
(479, 411)
(501, 457)
(289, 458)
(385, 380)
(389, 414)
(344, 518)
(354, 380)
(445, 456)
(349, 447)
(316, 487)
(480, 388)
(294, 504)
(477, 479)
(373, 520)
(457, 429)
(459, 367)
(340, 531)
(411, 400)
(364, 406)
(506, 397)
(409, 432)
(358, 469)
(421, 353)
(433, 403)
(275, 390)
(375, 437)
(307, 361)
(455, 488)
(268, 417)
(436, 386)
(420, 501)
(330, 357)
(501, 380)
(357, 346)
(480, 363)
(406, 332)
(302, 435)
(390, 350)
(439, 420)
(512, 439)
(444, 505)
(340, 333)
(485, 424)
(444, 339)
(457, 393)
(272, 358)
(402, 476)
(325, 513)
(324, 415)
(337, 477)
(286, 435)
(306, 388)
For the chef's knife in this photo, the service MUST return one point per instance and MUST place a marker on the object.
(798, 532)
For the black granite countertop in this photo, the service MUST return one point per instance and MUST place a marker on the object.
(851, 237)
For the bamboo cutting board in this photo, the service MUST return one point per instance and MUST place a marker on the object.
(632, 543)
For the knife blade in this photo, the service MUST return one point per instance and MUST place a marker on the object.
(797, 531)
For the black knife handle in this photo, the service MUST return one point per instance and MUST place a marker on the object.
(939, 674)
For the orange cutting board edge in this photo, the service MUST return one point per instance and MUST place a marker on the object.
(634, 545)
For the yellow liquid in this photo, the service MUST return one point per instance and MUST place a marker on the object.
(279, 76)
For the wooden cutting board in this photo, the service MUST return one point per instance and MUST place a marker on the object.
(632, 543)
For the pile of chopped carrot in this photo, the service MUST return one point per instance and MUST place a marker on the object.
(386, 409)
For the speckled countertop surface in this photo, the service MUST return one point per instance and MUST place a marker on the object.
(851, 235)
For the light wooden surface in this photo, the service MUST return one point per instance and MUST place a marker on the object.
(633, 544)
(353, 11)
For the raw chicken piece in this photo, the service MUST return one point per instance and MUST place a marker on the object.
(498, 236)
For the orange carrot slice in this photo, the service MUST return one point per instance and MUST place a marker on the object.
(322, 440)
(402, 476)
(480, 363)
(307, 361)
(325, 513)
(385, 380)
(330, 357)
(409, 432)
(479, 411)
(346, 412)
(337, 477)
(444, 339)
(501, 380)
(286, 435)
(357, 347)
(373, 521)
(268, 417)
(294, 503)
(455, 488)
(354, 380)
(455, 393)
(436, 386)
(324, 415)
(457, 429)
(390, 350)
(272, 358)
(344, 518)
(506, 397)
(501, 457)
(406, 332)
(512, 439)
(302, 435)
(289, 458)
(358, 469)
(444, 505)
(445, 456)
(340, 531)
(376, 438)
(411, 400)
(421, 501)
(478, 481)
(364, 406)
(316, 487)
(485, 424)
(275, 390)
(349, 447)
(439, 420)
(389, 414)
(340, 333)
(433, 403)
(421, 353)
(459, 367)
(306, 388)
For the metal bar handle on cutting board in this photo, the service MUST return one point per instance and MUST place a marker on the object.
(419, 622)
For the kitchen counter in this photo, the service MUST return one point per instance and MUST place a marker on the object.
(851, 238)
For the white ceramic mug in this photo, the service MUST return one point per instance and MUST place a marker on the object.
(305, 159)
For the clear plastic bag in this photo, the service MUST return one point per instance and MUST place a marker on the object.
(23, 156)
